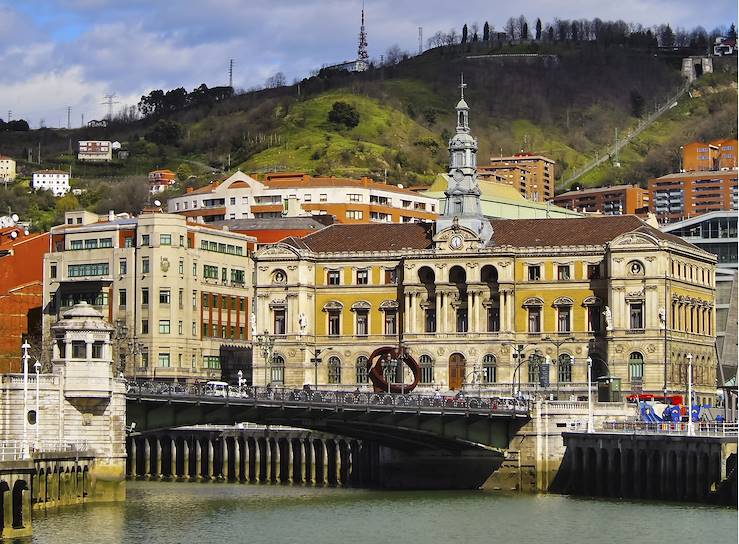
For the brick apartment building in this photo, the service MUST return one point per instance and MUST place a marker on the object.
(714, 155)
(678, 196)
(616, 200)
(532, 175)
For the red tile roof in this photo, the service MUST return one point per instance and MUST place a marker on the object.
(363, 237)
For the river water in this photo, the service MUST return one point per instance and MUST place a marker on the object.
(169, 513)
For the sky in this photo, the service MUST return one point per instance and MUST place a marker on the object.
(60, 53)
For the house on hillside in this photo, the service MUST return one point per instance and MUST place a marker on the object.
(56, 181)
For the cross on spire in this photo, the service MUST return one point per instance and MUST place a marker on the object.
(462, 85)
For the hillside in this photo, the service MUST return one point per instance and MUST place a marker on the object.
(565, 100)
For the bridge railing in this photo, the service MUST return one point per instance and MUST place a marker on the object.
(336, 398)
(12, 450)
(701, 428)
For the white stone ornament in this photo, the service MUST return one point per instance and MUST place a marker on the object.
(609, 318)
(302, 323)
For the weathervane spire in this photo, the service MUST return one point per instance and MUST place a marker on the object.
(462, 85)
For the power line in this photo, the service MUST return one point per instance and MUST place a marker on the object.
(109, 102)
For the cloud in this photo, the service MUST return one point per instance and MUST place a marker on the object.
(83, 49)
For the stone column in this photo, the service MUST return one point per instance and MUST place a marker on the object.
(278, 461)
(290, 460)
(186, 474)
(258, 460)
(198, 460)
(237, 459)
(209, 470)
(407, 312)
(172, 459)
(313, 452)
(438, 300)
(303, 463)
(224, 459)
(132, 457)
(158, 461)
(147, 458)
(337, 446)
(471, 311)
(414, 312)
(247, 452)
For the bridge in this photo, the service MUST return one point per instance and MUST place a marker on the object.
(415, 437)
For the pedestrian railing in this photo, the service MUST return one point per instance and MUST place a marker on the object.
(12, 450)
(330, 399)
(701, 428)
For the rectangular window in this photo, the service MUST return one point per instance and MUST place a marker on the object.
(85, 270)
(79, 349)
(333, 277)
(144, 239)
(563, 319)
(52, 272)
(211, 361)
(563, 272)
(534, 320)
(194, 300)
(128, 242)
(391, 276)
(145, 296)
(280, 321)
(123, 267)
(636, 311)
(354, 197)
(323, 197)
(193, 329)
(206, 300)
(334, 324)
(594, 318)
(145, 265)
(181, 268)
(238, 277)
(181, 298)
(534, 272)
(164, 296)
(493, 319)
(182, 240)
(97, 350)
(391, 322)
(179, 328)
(362, 277)
(105, 242)
(593, 271)
(75, 244)
(362, 322)
(163, 361)
(91, 244)
(164, 326)
(122, 298)
(461, 320)
(144, 326)
(210, 272)
(354, 214)
(430, 320)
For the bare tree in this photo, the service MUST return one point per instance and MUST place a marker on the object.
(510, 28)
(393, 55)
(277, 80)
(437, 40)
(522, 28)
(475, 30)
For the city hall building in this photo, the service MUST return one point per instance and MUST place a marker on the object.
(485, 303)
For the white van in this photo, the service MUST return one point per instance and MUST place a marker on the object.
(216, 389)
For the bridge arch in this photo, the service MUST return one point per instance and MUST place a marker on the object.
(17, 505)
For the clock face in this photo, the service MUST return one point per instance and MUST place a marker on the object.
(455, 242)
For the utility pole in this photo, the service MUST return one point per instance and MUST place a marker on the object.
(82, 120)
(69, 117)
(10, 113)
(231, 73)
(420, 40)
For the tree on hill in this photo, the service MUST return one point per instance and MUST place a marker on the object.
(345, 114)
(550, 33)
(575, 31)
(277, 80)
(16, 125)
(475, 32)
(510, 28)
(665, 36)
(464, 33)
(538, 29)
(486, 32)
(165, 132)
(732, 32)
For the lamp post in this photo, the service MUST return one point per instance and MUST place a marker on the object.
(24, 447)
(266, 343)
(388, 368)
(316, 360)
(557, 344)
(37, 368)
(590, 428)
(517, 356)
(691, 427)
(240, 376)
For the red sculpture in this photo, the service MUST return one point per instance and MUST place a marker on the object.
(385, 354)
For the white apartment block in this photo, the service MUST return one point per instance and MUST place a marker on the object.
(56, 181)
(95, 150)
(349, 200)
(178, 293)
(7, 168)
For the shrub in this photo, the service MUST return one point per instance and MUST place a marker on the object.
(344, 114)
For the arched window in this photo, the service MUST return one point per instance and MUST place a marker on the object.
(361, 369)
(636, 367)
(535, 361)
(427, 369)
(489, 369)
(564, 368)
(334, 370)
(277, 372)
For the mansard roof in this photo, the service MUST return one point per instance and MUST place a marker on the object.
(579, 231)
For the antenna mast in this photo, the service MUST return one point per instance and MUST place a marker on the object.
(420, 40)
(231, 73)
(362, 56)
(69, 117)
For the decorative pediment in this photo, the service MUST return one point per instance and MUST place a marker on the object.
(631, 239)
(592, 301)
(333, 306)
(389, 305)
(533, 301)
(457, 238)
(361, 305)
(563, 301)
(279, 250)
(278, 303)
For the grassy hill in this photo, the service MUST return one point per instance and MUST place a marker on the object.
(565, 102)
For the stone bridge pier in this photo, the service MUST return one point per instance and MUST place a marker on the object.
(649, 466)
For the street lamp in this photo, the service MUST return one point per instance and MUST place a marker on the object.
(240, 376)
(37, 368)
(266, 343)
(557, 344)
(316, 360)
(388, 368)
(24, 447)
(691, 428)
(517, 356)
(591, 428)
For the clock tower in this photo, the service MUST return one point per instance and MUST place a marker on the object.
(462, 202)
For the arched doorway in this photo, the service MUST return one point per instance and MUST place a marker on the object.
(456, 371)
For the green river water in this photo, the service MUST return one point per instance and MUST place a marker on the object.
(168, 513)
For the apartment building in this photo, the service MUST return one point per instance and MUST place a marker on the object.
(7, 168)
(95, 150)
(56, 181)
(531, 174)
(614, 200)
(678, 196)
(161, 180)
(349, 200)
(715, 155)
(178, 293)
